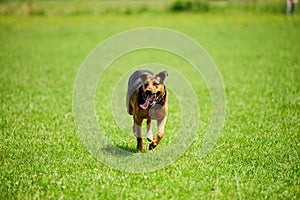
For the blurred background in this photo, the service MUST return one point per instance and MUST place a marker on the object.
(39, 7)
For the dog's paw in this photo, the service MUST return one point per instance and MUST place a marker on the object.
(152, 145)
(140, 145)
(141, 148)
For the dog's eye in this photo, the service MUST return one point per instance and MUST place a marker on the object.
(155, 83)
(146, 84)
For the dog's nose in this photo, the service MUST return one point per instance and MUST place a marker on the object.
(148, 92)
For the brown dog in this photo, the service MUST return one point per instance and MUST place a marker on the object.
(147, 98)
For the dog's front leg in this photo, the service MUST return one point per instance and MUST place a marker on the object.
(149, 130)
(161, 129)
(137, 128)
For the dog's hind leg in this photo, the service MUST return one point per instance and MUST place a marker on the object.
(149, 130)
(137, 128)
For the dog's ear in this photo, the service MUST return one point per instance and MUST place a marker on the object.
(162, 75)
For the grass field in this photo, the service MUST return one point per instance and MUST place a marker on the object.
(256, 157)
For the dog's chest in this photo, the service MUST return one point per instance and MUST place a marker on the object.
(157, 112)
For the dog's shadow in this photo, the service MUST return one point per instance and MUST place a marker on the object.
(120, 150)
(128, 148)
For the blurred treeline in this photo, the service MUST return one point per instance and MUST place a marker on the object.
(127, 7)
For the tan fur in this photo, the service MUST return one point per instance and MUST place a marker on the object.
(141, 83)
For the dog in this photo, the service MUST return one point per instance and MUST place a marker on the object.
(147, 98)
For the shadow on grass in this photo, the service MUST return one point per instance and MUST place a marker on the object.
(120, 150)
(128, 148)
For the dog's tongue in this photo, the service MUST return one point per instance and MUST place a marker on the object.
(146, 104)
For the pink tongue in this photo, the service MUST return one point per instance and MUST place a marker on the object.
(146, 104)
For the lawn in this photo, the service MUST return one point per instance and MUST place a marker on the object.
(256, 157)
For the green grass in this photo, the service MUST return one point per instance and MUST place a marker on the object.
(257, 156)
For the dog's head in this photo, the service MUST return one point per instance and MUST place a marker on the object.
(153, 88)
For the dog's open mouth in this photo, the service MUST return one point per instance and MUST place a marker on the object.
(150, 100)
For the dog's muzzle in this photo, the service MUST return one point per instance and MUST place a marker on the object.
(150, 100)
